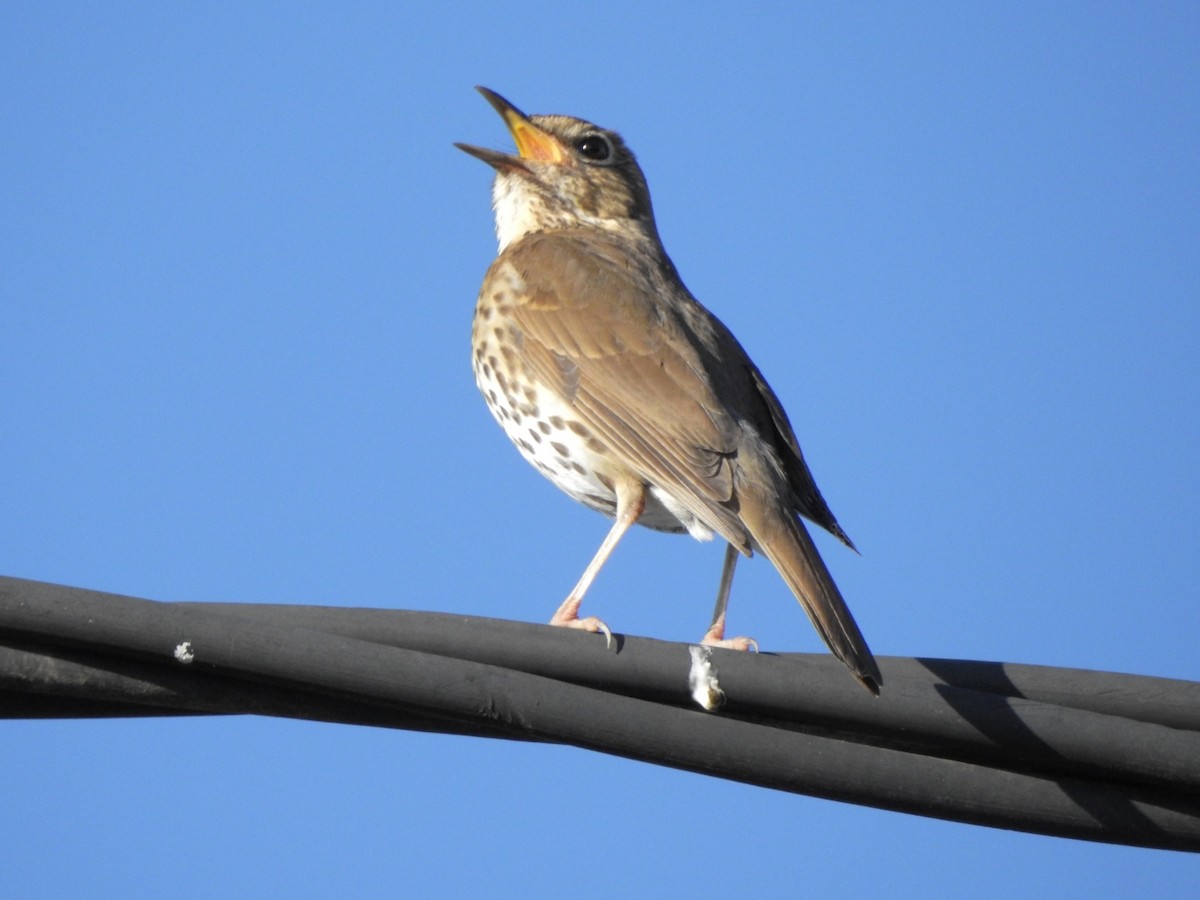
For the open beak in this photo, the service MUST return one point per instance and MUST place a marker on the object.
(532, 142)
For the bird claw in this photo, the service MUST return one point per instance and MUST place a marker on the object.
(715, 637)
(744, 644)
(569, 618)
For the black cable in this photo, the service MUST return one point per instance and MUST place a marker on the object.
(1081, 754)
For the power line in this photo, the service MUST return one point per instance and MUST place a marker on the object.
(1090, 755)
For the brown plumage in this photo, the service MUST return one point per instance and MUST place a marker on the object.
(623, 390)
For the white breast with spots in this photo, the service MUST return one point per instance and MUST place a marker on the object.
(543, 425)
(543, 428)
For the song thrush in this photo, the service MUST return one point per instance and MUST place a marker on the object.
(623, 390)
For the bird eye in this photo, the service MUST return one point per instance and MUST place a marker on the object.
(595, 147)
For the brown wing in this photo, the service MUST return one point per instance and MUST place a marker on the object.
(597, 331)
(809, 502)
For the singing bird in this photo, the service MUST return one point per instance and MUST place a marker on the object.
(635, 400)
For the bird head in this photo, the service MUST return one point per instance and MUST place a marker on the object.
(566, 173)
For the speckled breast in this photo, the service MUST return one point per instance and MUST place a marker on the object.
(541, 424)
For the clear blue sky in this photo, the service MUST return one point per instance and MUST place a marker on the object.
(239, 258)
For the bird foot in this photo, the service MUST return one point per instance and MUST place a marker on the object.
(567, 616)
(715, 637)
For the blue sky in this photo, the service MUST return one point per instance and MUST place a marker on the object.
(240, 258)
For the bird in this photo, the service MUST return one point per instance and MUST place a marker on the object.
(624, 391)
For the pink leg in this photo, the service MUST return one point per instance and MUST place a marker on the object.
(631, 500)
(715, 636)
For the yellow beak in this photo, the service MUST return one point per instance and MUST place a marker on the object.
(532, 142)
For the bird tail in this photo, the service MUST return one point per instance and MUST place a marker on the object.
(785, 541)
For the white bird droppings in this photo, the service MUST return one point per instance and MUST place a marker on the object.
(702, 679)
(184, 652)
